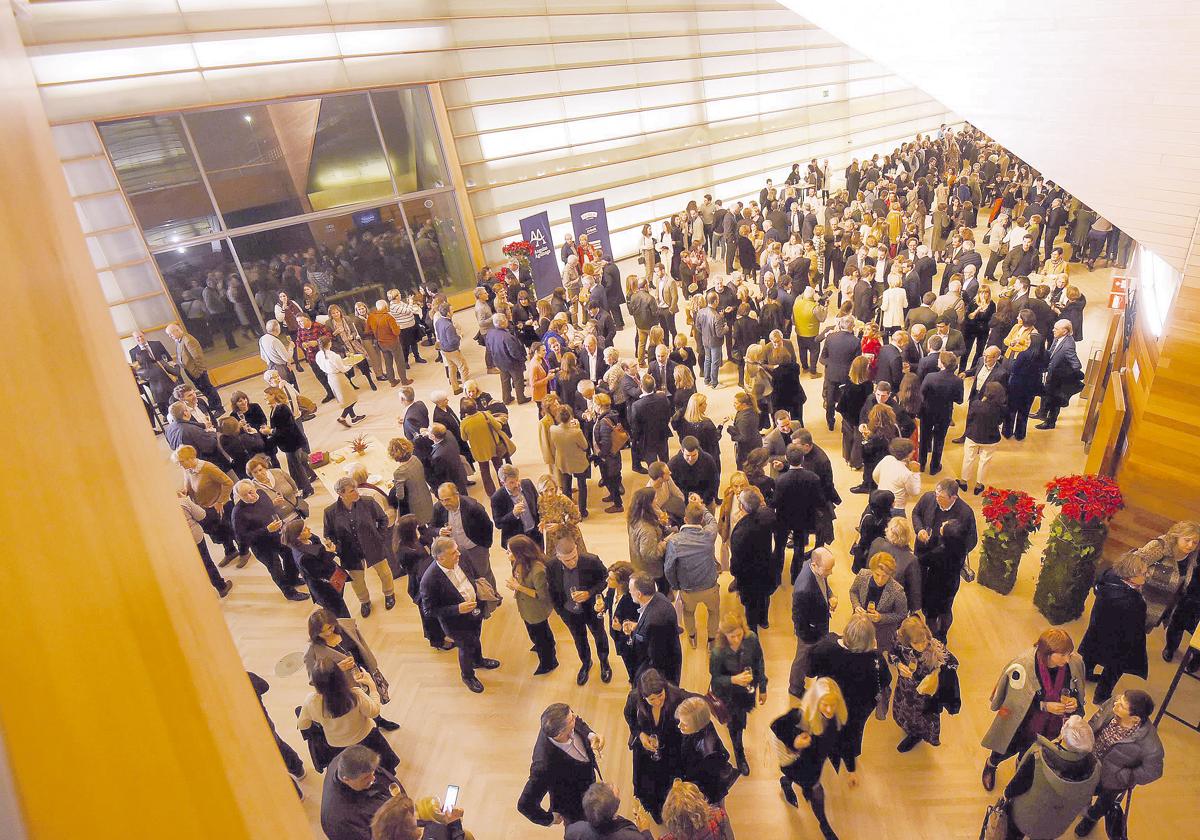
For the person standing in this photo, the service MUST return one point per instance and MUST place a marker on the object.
(798, 499)
(257, 526)
(750, 556)
(739, 678)
(812, 604)
(1036, 694)
(193, 514)
(690, 565)
(189, 358)
(985, 416)
(449, 343)
(861, 672)
(711, 328)
(464, 520)
(654, 738)
(600, 805)
(807, 736)
(534, 601)
(1053, 784)
(358, 527)
(509, 356)
(515, 507)
(564, 766)
(876, 595)
(334, 367)
(654, 636)
(926, 683)
(356, 787)
(383, 327)
(572, 454)
(346, 712)
(1116, 633)
(649, 425)
(940, 391)
(575, 581)
(608, 460)
(448, 593)
(838, 350)
(1064, 374)
(1130, 754)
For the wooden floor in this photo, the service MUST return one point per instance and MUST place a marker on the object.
(483, 743)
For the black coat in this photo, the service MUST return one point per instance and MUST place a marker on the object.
(360, 533)
(839, 349)
(502, 511)
(346, 813)
(797, 499)
(806, 770)
(705, 763)
(750, 551)
(702, 477)
(810, 610)
(999, 374)
(475, 521)
(927, 515)
(593, 577)
(744, 430)
(440, 599)
(286, 433)
(416, 418)
(817, 461)
(446, 464)
(317, 566)
(655, 640)
(984, 418)
(664, 379)
(889, 366)
(554, 772)
(940, 391)
(1116, 633)
(650, 419)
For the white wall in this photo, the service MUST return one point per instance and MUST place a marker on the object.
(647, 104)
(1101, 95)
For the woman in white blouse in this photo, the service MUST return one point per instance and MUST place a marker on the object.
(346, 712)
(646, 247)
(335, 369)
(895, 299)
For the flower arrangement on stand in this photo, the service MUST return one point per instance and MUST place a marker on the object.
(1077, 537)
(522, 251)
(1011, 516)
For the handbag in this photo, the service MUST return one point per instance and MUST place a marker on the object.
(503, 443)
(620, 439)
(968, 574)
(995, 821)
(307, 406)
(381, 685)
(883, 697)
(338, 579)
(718, 708)
(489, 599)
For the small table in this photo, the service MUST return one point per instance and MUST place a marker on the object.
(380, 466)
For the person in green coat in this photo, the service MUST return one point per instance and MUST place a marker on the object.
(739, 677)
(528, 584)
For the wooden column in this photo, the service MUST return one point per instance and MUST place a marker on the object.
(124, 707)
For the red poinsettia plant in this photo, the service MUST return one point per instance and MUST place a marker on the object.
(520, 250)
(1085, 498)
(1011, 510)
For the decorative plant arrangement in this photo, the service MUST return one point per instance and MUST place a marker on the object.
(1077, 537)
(522, 250)
(359, 444)
(1011, 516)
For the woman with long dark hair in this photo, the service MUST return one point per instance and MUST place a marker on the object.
(346, 713)
(620, 607)
(315, 558)
(739, 677)
(654, 738)
(528, 584)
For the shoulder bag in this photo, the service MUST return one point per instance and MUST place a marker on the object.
(995, 821)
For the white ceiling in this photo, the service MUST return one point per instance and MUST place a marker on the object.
(1102, 96)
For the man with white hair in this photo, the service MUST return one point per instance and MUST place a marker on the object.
(951, 303)
(257, 526)
(276, 354)
(840, 348)
(812, 603)
(508, 355)
(1064, 374)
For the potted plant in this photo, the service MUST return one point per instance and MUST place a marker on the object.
(1077, 537)
(1011, 516)
(359, 445)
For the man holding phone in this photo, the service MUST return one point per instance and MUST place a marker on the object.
(446, 592)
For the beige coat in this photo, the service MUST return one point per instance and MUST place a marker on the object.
(569, 449)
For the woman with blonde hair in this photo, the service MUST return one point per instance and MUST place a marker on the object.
(688, 815)
(897, 542)
(1168, 601)
(558, 514)
(757, 380)
(745, 429)
(926, 683)
(876, 595)
(853, 661)
(703, 758)
(739, 677)
(808, 735)
(726, 513)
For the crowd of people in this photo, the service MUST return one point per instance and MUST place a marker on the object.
(878, 289)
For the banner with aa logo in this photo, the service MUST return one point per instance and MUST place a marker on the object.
(590, 219)
(543, 263)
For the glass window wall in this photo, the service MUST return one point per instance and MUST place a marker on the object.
(349, 192)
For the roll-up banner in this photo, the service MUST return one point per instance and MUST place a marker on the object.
(543, 262)
(589, 218)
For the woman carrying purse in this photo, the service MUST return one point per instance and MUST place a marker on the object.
(325, 579)
(739, 678)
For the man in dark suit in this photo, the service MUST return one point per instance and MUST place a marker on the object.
(926, 268)
(445, 459)
(662, 369)
(415, 413)
(938, 506)
(606, 327)
(445, 414)
(153, 365)
(649, 425)
(966, 256)
(989, 367)
(448, 593)
(952, 339)
(863, 296)
(940, 391)
(889, 365)
(654, 637)
(1044, 316)
(929, 361)
(610, 278)
(695, 471)
(797, 499)
(574, 581)
(838, 350)
(515, 506)
(458, 516)
(923, 313)
(812, 604)
(1056, 218)
(1064, 374)
(564, 766)
(591, 359)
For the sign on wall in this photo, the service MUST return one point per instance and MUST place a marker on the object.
(590, 218)
(543, 263)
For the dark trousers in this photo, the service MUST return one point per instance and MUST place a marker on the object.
(511, 380)
(1051, 235)
(1017, 419)
(650, 451)
(1105, 803)
(808, 352)
(409, 337)
(829, 393)
(579, 624)
(214, 575)
(204, 386)
(757, 602)
(939, 623)
(543, 643)
(217, 526)
(280, 565)
(933, 440)
(976, 343)
(994, 260)
(610, 477)
(322, 378)
(799, 541)
(581, 480)
(470, 651)
(730, 253)
(299, 469)
(1106, 683)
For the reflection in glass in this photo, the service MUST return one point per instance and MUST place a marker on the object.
(410, 136)
(440, 242)
(342, 260)
(160, 178)
(268, 162)
(203, 281)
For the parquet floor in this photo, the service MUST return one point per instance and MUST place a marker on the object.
(483, 743)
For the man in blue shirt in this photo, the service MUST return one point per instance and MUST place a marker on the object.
(449, 343)
(690, 564)
(508, 355)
